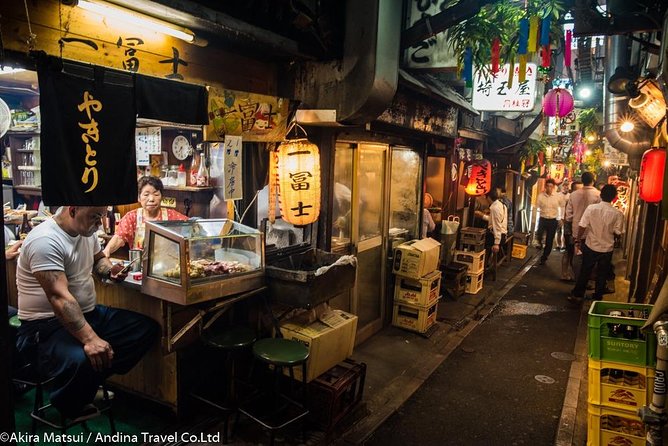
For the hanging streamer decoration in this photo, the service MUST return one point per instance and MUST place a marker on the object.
(534, 23)
(511, 73)
(545, 42)
(496, 51)
(567, 48)
(522, 48)
(468, 67)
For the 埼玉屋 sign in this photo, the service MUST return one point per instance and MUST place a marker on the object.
(493, 92)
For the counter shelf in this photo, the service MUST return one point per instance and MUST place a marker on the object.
(193, 261)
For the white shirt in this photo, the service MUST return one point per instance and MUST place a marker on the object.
(603, 221)
(580, 200)
(427, 223)
(498, 220)
(548, 205)
(49, 248)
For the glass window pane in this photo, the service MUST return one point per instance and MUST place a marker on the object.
(404, 188)
(370, 176)
(343, 186)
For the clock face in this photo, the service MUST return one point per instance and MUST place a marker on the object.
(181, 147)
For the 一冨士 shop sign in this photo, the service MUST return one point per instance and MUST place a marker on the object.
(496, 93)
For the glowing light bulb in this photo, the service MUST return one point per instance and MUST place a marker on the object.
(626, 126)
(591, 138)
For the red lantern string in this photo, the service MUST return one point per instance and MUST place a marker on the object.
(496, 50)
(567, 49)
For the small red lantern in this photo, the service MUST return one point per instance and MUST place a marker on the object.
(558, 102)
(652, 169)
(480, 178)
(557, 172)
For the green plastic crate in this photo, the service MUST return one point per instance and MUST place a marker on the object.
(605, 346)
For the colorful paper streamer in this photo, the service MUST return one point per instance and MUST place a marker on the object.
(545, 31)
(532, 44)
(511, 73)
(523, 37)
(496, 51)
(567, 48)
(546, 54)
(522, 75)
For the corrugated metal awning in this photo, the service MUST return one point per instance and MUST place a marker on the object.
(434, 87)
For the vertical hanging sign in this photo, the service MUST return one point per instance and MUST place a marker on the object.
(232, 172)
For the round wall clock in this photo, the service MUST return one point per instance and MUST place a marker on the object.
(181, 147)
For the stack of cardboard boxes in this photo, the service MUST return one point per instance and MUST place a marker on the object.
(417, 284)
(621, 372)
(471, 252)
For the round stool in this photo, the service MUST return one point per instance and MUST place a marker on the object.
(278, 353)
(229, 340)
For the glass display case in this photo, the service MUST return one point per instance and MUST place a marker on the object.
(193, 261)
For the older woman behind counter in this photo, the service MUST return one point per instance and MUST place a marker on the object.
(131, 228)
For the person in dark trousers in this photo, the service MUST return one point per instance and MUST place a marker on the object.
(76, 341)
(567, 272)
(548, 202)
(602, 222)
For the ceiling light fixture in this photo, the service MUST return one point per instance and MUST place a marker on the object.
(648, 103)
(130, 17)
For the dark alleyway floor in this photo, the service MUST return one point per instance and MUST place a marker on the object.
(502, 386)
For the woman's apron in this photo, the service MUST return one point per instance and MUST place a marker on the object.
(140, 230)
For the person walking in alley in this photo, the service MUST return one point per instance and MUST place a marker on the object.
(602, 222)
(548, 203)
(579, 201)
(567, 272)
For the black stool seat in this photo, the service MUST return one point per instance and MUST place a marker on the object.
(281, 352)
(230, 338)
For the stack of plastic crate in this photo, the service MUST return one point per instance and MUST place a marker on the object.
(621, 372)
(471, 252)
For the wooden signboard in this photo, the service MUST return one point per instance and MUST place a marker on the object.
(81, 35)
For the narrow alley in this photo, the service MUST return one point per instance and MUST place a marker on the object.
(510, 373)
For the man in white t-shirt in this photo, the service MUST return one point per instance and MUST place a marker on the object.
(77, 342)
(602, 222)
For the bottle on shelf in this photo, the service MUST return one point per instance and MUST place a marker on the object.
(194, 168)
(181, 178)
(25, 228)
(202, 172)
(110, 224)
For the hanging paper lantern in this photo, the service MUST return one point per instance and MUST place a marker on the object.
(558, 102)
(557, 172)
(299, 181)
(480, 178)
(652, 168)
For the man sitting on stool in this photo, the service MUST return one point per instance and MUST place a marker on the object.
(602, 222)
(77, 342)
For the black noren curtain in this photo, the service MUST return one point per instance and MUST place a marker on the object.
(87, 134)
(171, 101)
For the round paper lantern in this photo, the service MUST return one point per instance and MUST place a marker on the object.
(299, 181)
(650, 184)
(558, 102)
(557, 172)
(480, 178)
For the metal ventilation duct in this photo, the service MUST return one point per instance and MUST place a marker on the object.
(362, 85)
(633, 143)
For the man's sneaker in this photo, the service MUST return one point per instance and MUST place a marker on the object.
(99, 395)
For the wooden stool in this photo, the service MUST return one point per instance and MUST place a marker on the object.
(278, 353)
(231, 340)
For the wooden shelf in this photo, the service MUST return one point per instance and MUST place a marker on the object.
(28, 190)
(191, 188)
(26, 134)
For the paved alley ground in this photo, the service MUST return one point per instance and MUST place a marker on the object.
(505, 384)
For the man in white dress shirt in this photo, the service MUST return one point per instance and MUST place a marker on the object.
(602, 222)
(497, 219)
(548, 202)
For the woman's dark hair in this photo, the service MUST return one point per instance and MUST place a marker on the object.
(150, 181)
(550, 181)
(608, 193)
